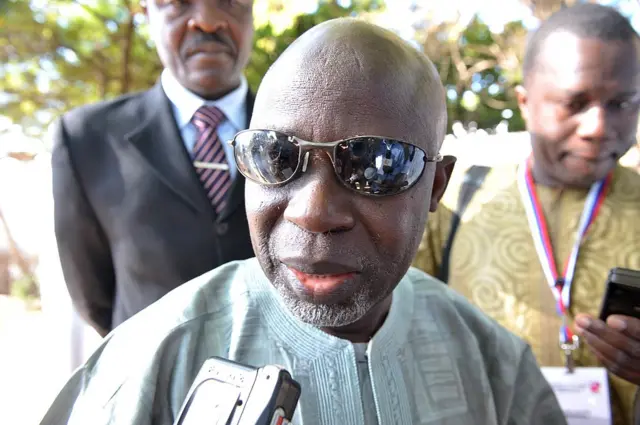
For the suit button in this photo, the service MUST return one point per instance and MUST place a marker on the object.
(222, 228)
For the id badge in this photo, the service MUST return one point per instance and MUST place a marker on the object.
(583, 395)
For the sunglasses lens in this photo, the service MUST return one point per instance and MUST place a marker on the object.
(379, 166)
(266, 157)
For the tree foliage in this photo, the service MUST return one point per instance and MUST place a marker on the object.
(59, 54)
(542, 9)
(480, 69)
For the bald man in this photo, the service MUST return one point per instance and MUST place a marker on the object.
(343, 143)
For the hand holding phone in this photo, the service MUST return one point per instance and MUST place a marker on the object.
(622, 295)
(614, 337)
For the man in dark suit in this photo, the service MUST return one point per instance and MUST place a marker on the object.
(146, 192)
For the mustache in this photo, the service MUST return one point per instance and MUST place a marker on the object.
(320, 253)
(195, 40)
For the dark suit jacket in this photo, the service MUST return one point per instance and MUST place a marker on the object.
(132, 220)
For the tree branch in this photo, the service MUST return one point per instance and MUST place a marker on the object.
(458, 62)
(446, 64)
(486, 50)
(492, 102)
(100, 17)
(127, 45)
(59, 43)
(482, 65)
(14, 250)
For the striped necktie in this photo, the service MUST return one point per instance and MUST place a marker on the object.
(208, 149)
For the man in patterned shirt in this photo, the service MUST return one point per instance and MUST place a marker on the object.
(570, 200)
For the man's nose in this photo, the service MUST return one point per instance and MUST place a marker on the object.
(319, 204)
(207, 17)
(593, 123)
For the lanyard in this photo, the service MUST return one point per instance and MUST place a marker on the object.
(560, 284)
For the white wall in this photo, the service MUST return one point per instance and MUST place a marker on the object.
(38, 350)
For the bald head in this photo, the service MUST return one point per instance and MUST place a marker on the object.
(349, 70)
(343, 79)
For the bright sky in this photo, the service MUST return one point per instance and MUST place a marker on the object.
(494, 13)
(400, 14)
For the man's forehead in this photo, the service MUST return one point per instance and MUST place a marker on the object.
(567, 58)
(321, 109)
(339, 113)
(331, 84)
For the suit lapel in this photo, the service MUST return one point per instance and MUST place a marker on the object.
(236, 194)
(160, 144)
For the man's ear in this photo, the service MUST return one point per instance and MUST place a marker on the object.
(444, 169)
(522, 97)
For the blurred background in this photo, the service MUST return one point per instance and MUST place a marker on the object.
(59, 54)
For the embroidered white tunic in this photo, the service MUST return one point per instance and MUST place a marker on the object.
(436, 359)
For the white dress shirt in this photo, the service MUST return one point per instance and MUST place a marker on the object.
(185, 103)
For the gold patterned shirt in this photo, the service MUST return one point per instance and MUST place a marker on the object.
(495, 265)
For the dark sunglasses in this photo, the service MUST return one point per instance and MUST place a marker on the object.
(369, 165)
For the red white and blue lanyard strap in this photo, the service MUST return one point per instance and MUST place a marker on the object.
(560, 284)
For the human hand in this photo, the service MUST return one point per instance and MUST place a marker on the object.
(615, 343)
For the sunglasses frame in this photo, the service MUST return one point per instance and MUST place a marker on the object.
(305, 147)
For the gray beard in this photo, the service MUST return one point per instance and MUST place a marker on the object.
(329, 316)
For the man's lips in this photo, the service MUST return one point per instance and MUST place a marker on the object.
(591, 155)
(319, 278)
(321, 284)
(592, 158)
(319, 267)
(210, 47)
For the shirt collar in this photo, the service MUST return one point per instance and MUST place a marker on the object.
(185, 103)
(309, 342)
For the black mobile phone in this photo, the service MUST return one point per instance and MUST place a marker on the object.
(622, 295)
(229, 393)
